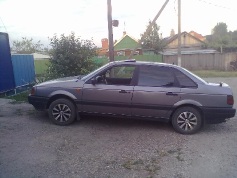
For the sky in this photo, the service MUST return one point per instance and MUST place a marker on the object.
(41, 19)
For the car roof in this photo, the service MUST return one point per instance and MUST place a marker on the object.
(134, 62)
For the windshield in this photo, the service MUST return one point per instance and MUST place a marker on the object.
(94, 72)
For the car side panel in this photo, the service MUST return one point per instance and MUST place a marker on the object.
(204, 99)
(154, 101)
(107, 99)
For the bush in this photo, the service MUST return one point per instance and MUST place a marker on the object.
(70, 56)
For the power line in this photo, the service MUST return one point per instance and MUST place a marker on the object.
(175, 12)
(216, 5)
(3, 24)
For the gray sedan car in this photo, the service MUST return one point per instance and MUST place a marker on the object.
(132, 89)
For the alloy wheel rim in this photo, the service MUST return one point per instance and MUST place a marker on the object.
(61, 112)
(187, 121)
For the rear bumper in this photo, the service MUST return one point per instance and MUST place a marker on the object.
(218, 115)
(40, 103)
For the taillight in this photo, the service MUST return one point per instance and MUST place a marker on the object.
(230, 100)
(32, 92)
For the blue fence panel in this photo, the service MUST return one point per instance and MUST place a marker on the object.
(6, 69)
(23, 68)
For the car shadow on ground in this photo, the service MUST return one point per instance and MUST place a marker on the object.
(123, 123)
(112, 122)
(130, 123)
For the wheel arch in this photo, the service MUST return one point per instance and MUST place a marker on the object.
(197, 107)
(59, 96)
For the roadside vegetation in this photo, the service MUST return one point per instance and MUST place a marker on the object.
(70, 55)
(22, 97)
(215, 73)
(19, 98)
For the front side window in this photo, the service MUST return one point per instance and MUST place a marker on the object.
(118, 75)
(155, 76)
(120, 72)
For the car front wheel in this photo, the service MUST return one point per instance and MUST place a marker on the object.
(187, 120)
(62, 112)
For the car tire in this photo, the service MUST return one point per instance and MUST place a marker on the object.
(187, 120)
(62, 112)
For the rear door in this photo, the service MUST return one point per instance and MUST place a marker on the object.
(156, 92)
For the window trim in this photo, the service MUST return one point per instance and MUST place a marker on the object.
(110, 67)
(178, 83)
(175, 85)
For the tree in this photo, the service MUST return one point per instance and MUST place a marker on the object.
(27, 46)
(70, 56)
(152, 39)
(220, 37)
(233, 36)
(220, 29)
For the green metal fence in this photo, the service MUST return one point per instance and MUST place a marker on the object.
(42, 65)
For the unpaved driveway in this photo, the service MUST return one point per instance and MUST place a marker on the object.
(30, 146)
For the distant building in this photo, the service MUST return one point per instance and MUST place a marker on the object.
(38, 56)
(189, 42)
(122, 47)
(197, 35)
(104, 49)
(126, 45)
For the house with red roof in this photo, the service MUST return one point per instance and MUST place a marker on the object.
(122, 47)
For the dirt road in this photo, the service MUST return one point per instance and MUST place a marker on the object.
(30, 146)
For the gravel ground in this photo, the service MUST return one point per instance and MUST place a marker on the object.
(30, 146)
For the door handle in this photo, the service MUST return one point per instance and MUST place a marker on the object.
(123, 91)
(171, 94)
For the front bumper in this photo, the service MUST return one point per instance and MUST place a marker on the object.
(218, 115)
(40, 103)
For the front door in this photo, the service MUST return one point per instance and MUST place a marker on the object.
(111, 93)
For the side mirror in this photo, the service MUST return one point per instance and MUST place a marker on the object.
(96, 80)
(99, 79)
(93, 81)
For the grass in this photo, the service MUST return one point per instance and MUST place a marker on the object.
(19, 98)
(150, 166)
(41, 66)
(215, 73)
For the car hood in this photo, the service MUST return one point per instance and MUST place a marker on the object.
(62, 82)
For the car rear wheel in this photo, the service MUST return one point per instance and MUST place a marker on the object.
(62, 112)
(187, 120)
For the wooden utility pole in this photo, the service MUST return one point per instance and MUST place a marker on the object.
(179, 32)
(110, 29)
(149, 28)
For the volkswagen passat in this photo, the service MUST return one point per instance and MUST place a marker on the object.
(132, 89)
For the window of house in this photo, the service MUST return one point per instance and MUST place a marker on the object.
(121, 53)
(136, 53)
(155, 76)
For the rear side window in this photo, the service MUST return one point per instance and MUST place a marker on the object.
(183, 80)
(155, 76)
